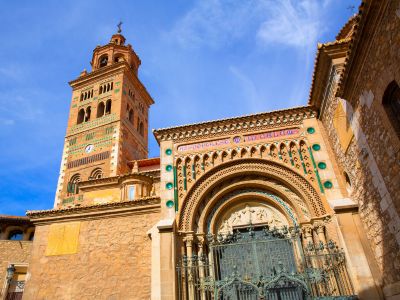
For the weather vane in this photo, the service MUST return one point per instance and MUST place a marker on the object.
(119, 26)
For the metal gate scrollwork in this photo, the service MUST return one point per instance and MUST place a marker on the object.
(263, 263)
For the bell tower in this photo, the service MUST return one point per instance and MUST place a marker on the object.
(108, 120)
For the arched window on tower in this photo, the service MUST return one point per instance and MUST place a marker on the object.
(96, 174)
(103, 61)
(108, 106)
(130, 115)
(100, 110)
(391, 103)
(81, 116)
(141, 129)
(108, 87)
(72, 186)
(87, 115)
(101, 90)
(118, 58)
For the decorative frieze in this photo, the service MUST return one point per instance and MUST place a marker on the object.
(243, 125)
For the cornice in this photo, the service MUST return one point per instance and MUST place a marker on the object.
(143, 205)
(325, 53)
(155, 174)
(110, 70)
(116, 180)
(10, 220)
(266, 120)
(103, 72)
(346, 30)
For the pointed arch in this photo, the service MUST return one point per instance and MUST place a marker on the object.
(243, 153)
(253, 151)
(284, 153)
(234, 154)
(273, 152)
(294, 152)
(263, 151)
(224, 156)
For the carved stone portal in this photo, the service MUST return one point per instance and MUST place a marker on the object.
(251, 214)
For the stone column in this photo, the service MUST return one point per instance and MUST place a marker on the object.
(189, 252)
(200, 245)
(319, 228)
(298, 249)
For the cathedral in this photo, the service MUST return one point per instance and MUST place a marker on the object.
(299, 203)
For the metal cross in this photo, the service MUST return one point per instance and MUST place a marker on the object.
(119, 26)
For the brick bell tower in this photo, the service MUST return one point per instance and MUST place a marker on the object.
(108, 120)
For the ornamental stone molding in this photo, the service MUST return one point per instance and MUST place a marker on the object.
(249, 166)
(94, 211)
(250, 123)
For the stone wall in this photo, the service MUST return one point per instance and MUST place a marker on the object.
(372, 160)
(113, 261)
(13, 252)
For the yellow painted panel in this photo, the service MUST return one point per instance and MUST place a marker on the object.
(103, 196)
(63, 239)
(342, 126)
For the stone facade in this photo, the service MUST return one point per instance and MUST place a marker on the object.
(323, 178)
(13, 252)
(112, 261)
(16, 234)
(372, 159)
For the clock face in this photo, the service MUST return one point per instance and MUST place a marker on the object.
(89, 148)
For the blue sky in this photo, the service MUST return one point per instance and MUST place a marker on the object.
(201, 60)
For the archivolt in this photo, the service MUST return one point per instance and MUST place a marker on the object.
(248, 166)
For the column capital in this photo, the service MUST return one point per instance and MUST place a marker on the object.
(307, 230)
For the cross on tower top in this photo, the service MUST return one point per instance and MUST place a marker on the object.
(119, 26)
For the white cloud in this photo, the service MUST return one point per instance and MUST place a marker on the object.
(215, 23)
(292, 23)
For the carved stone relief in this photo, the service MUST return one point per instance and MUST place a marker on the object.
(251, 214)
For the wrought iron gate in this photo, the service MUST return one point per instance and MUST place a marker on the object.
(263, 263)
